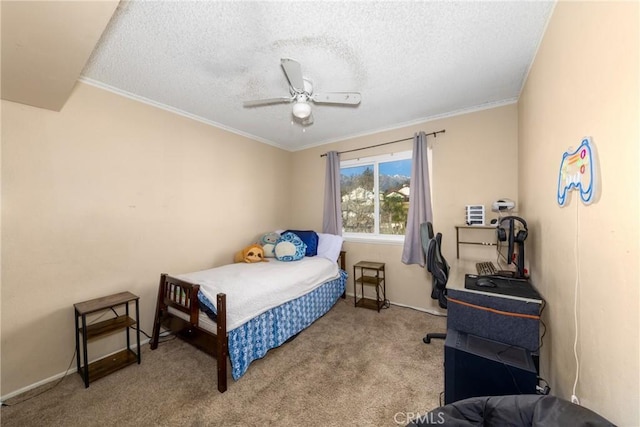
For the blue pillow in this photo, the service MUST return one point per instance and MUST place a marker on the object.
(289, 247)
(310, 238)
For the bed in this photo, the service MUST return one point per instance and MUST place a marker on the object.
(211, 310)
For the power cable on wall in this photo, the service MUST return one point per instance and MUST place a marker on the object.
(574, 396)
(73, 357)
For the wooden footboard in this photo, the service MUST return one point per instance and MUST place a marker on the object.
(183, 296)
(342, 262)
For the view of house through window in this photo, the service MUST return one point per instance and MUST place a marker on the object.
(375, 194)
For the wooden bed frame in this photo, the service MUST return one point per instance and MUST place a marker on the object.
(183, 296)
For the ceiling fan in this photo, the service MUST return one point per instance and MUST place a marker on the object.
(301, 93)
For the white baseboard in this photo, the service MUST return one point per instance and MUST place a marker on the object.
(74, 369)
(424, 310)
(55, 377)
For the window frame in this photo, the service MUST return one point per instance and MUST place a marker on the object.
(375, 237)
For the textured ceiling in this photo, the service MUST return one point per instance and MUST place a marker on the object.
(410, 61)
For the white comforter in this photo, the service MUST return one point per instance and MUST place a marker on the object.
(255, 288)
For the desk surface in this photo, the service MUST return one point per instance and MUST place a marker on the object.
(460, 267)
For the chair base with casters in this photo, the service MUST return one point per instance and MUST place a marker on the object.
(434, 335)
(439, 269)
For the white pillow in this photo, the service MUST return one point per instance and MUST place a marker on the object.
(329, 246)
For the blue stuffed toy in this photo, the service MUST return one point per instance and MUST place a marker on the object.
(289, 247)
(268, 242)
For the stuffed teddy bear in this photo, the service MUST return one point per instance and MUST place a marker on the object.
(268, 242)
(252, 253)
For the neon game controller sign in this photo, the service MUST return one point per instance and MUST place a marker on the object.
(578, 172)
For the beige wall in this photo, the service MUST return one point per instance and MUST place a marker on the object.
(104, 196)
(93, 197)
(584, 82)
(475, 161)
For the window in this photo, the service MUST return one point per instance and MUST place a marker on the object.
(375, 194)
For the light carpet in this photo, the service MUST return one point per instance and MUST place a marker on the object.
(353, 366)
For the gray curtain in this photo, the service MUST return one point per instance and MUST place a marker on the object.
(419, 202)
(332, 217)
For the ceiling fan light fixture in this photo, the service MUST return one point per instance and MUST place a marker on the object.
(301, 94)
(301, 109)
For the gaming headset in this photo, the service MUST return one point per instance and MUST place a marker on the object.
(520, 237)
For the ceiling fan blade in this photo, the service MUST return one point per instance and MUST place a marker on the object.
(259, 102)
(293, 70)
(351, 98)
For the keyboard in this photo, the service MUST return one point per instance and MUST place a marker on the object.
(486, 268)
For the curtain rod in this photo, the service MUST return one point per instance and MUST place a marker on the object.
(434, 134)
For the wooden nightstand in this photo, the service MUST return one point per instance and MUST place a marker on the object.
(106, 365)
(371, 273)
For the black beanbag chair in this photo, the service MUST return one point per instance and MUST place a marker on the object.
(517, 410)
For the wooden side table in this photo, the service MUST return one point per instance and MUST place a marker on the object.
(371, 273)
(109, 364)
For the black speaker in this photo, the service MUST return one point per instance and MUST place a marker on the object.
(475, 366)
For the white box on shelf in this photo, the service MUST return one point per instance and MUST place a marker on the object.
(474, 214)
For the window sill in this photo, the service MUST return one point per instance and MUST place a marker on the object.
(379, 240)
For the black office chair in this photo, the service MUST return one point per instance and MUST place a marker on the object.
(426, 234)
(439, 269)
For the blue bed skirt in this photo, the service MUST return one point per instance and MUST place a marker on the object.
(272, 328)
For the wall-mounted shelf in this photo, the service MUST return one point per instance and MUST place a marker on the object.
(494, 242)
